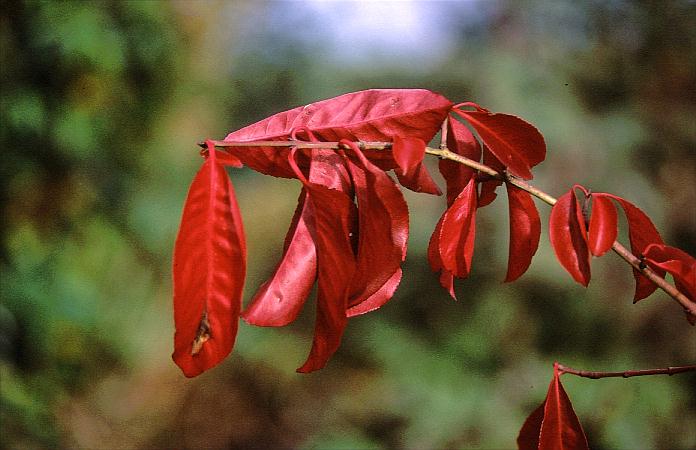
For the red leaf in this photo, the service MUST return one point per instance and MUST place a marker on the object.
(487, 192)
(408, 153)
(382, 231)
(379, 298)
(456, 240)
(603, 225)
(525, 231)
(568, 237)
(419, 180)
(528, 439)
(336, 266)
(446, 277)
(280, 299)
(517, 144)
(372, 115)
(209, 269)
(462, 142)
(560, 429)
(641, 233)
(553, 425)
(678, 263)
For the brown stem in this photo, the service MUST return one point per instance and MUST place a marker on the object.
(444, 153)
(627, 374)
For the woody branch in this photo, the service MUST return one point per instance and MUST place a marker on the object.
(444, 153)
(626, 374)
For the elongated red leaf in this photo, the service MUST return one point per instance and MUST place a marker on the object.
(488, 186)
(379, 298)
(517, 144)
(280, 299)
(603, 225)
(336, 266)
(209, 270)
(456, 241)
(408, 153)
(553, 425)
(525, 231)
(641, 233)
(568, 237)
(382, 229)
(372, 115)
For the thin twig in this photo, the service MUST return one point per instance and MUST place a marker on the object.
(444, 153)
(627, 374)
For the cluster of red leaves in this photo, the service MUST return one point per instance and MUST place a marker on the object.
(350, 229)
(553, 425)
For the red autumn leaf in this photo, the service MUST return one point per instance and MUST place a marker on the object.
(382, 229)
(335, 263)
(517, 144)
(678, 263)
(462, 142)
(379, 298)
(408, 153)
(435, 260)
(224, 158)
(372, 115)
(553, 425)
(525, 231)
(456, 240)
(568, 237)
(641, 233)
(488, 186)
(603, 225)
(209, 269)
(280, 299)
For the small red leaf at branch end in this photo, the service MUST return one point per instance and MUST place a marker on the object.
(560, 427)
(603, 225)
(678, 263)
(569, 237)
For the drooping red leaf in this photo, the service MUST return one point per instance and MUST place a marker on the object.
(462, 142)
(641, 233)
(280, 299)
(456, 240)
(517, 144)
(568, 237)
(435, 260)
(336, 266)
(560, 428)
(525, 231)
(603, 225)
(553, 425)
(372, 115)
(528, 439)
(224, 158)
(382, 230)
(677, 262)
(208, 271)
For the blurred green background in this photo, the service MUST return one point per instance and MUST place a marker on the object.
(102, 105)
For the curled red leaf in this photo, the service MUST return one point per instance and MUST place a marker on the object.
(208, 271)
(568, 237)
(525, 231)
(456, 240)
(462, 142)
(603, 225)
(435, 260)
(517, 144)
(554, 424)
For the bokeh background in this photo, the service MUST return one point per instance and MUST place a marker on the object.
(102, 105)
